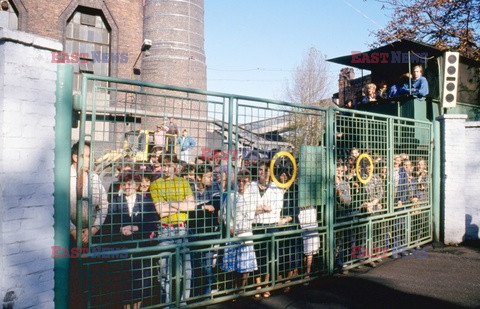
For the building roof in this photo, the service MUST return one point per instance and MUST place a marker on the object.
(250, 139)
(280, 124)
(402, 46)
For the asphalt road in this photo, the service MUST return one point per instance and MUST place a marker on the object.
(449, 277)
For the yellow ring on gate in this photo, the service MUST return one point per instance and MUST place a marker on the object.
(357, 168)
(272, 165)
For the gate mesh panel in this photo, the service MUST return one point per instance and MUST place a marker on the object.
(245, 196)
(382, 178)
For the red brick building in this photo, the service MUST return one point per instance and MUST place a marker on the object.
(349, 87)
(107, 36)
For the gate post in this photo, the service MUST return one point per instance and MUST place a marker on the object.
(453, 177)
(63, 127)
(329, 186)
(436, 181)
(27, 113)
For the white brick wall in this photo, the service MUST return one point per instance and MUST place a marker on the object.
(472, 183)
(453, 174)
(460, 189)
(27, 140)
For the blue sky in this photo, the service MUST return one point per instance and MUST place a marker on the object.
(253, 46)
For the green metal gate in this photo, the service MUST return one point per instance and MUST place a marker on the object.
(391, 205)
(349, 204)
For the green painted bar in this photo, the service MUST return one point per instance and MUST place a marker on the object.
(390, 154)
(81, 150)
(230, 147)
(63, 125)
(87, 77)
(329, 184)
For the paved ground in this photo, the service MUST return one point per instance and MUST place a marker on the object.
(448, 278)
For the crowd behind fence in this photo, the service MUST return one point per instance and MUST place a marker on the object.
(190, 224)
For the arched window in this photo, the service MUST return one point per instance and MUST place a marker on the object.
(88, 35)
(8, 15)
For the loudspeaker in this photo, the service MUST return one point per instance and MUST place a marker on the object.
(450, 79)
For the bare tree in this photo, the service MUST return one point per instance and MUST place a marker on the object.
(446, 24)
(310, 80)
(309, 87)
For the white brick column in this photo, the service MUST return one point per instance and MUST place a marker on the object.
(452, 174)
(27, 141)
(472, 187)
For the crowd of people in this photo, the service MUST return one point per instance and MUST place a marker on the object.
(410, 182)
(361, 185)
(172, 203)
(408, 84)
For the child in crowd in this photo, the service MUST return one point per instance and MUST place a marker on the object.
(400, 181)
(240, 257)
(343, 202)
(342, 190)
(422, 180)
(145, 185)
(373, 190)
(188, 172)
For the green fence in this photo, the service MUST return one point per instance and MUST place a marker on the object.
(258, 195)
(388, 173)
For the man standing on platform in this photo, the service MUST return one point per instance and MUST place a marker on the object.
(186, 143)
(172, 134)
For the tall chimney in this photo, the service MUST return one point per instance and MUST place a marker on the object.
(177, 55)
(177, 58)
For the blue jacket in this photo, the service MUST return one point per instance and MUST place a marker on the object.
(366, 99)
(143, 215)
(203, 221)
(187, 143)
(419, 87)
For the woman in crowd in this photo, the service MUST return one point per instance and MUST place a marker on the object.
(240, 257)
(371, 95)
(291, 259)
(131, 219)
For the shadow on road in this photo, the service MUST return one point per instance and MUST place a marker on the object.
(341, 292)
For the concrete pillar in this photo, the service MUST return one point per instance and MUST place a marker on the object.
(472, 189)
(27, 141)
(452, 174)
